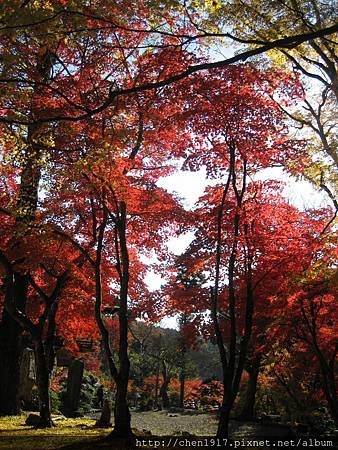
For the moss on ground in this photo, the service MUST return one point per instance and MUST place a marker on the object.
(15, 435)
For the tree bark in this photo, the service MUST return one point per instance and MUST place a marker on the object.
(224, 418)
(10, 350)
(157, 385)
(122, 425)
(182, 388)
(42, 375)
(248, 411)
(122, 418)
(164, 386)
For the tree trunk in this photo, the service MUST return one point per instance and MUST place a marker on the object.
(164, 395)
(10, 351)
(42, 378)
(10, 330)
(164, 387)
(248, 411)
(327, 367)
(156, 386)
(182, 388)
(329, 385)
(122, 425)
(233, 363)
(183, 351)
(223, 423)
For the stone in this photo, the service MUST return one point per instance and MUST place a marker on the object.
(74, 381)
(64, 357)
(104, 420)
(33, 420)
(55, 418)
(27, 377)
(146, 432)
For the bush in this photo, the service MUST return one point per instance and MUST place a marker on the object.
(88, 394)
(55, 401)
(174, 398)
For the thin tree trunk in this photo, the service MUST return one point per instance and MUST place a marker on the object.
(183, 350)
(327, 368)
(182, 388)
(329, 385)
(157, 385)
(164, 395)
(164, 386)
(223, 422)
(233, 364)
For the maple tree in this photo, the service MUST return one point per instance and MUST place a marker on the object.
(51, 281)
(117, 217)
(126, 31)
(314, 308)
(27, 148)
(232, 215)
(38, 69)
(315, 63)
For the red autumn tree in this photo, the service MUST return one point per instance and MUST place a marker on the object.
(313, 310)
(238, 134)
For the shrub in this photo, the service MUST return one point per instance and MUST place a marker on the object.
(55, 401)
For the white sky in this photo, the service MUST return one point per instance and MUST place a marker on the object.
(191, 185)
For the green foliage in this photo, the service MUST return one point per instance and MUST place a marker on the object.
(140, 367)
(322, 422)
(88, 393)
(89, 387)
(55, 401)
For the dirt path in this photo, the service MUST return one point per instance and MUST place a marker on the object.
(164, 423)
